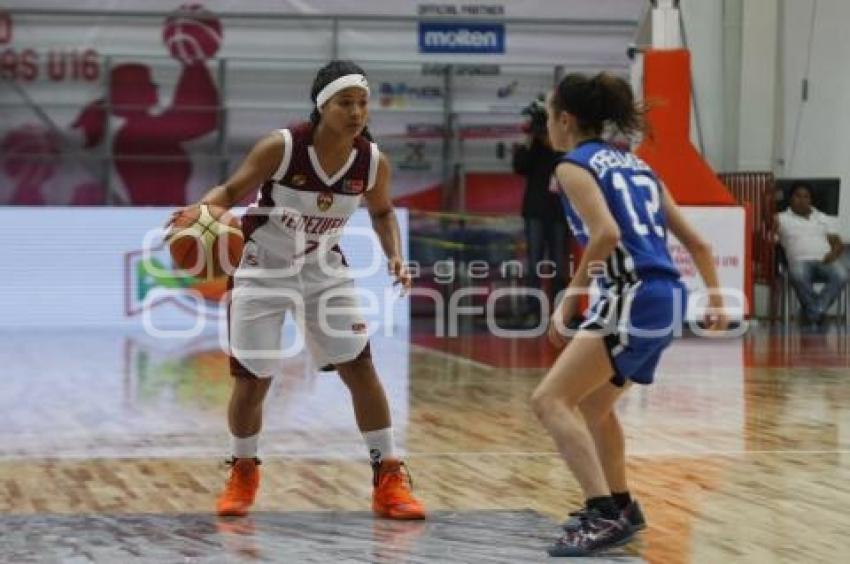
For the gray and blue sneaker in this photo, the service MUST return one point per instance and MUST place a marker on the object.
(632, 513)
(594, 534)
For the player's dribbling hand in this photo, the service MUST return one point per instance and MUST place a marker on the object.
(177, 213)
(399, 271)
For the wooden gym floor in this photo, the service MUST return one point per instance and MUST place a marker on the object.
(111, 448)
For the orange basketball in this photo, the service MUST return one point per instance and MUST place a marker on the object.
(205, 241)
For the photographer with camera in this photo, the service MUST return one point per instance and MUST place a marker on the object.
(545, 224)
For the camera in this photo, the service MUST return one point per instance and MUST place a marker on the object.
(536, 113)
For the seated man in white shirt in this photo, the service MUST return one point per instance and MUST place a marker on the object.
(814, 252)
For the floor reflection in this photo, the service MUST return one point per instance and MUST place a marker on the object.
(95, 394)
(449, 537)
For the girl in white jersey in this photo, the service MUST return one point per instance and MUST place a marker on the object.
(312, 179)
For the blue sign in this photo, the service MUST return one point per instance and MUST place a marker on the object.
(440, 37)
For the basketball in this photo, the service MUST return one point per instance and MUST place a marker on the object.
(205, 241)
(192, 34)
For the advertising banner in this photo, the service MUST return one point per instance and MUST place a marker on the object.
(438, 37)
(725, 228)
(92, 106)
(107, 267)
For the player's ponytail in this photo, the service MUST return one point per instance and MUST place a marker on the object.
(597, 101)
(327, 74)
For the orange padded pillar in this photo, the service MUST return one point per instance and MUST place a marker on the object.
(667, 147)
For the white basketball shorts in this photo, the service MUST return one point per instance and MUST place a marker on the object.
(325, 307)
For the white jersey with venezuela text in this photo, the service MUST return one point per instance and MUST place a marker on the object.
(300, 211)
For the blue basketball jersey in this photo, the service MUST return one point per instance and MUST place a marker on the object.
(633, 194)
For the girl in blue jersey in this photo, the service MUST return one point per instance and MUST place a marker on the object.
(621, 213)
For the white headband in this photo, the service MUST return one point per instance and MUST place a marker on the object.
(341, 83)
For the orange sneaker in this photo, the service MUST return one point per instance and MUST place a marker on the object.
(241, 487)
(392, 497)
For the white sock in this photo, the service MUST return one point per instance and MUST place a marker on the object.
(380, 444)
(244, 447)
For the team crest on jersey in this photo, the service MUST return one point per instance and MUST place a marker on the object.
(352, 186)
(299, 179)
(324, 200)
